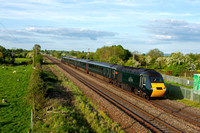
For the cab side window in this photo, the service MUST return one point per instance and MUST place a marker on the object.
(144, 80)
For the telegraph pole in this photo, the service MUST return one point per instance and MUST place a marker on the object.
(88, 53)
(13, 51)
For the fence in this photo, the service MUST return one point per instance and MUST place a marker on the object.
(178, 80)
(181, 92)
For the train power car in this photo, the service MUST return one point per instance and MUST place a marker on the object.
(146, 83)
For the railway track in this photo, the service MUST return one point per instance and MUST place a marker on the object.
(171, 109)
(174, 110)
(178, 112)
(148, 120)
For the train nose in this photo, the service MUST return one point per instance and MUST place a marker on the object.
(158, 89)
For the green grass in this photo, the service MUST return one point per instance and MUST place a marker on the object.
(176, 84)
(20, 60)
(189, 103)
(97, 119)
(70, 113)
(66, 118)
(186, 102)
(15, 114)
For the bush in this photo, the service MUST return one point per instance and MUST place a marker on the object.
(176, 69)
(9, 60)
(36, 89)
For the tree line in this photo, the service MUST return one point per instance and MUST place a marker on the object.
(7, 56)
(173, 64)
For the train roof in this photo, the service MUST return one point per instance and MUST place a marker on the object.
(66, 57)
(143, 71)
(122, 68)
(133, 70)
(83, 60)
(151, 72)
(104, 64)
(115, 66)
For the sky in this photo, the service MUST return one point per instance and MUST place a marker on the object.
(82, 25)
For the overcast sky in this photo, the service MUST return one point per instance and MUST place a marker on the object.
(142, 25)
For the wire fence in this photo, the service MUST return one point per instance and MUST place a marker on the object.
(182, 93)
(178, 80)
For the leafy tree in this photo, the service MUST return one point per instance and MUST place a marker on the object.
(9, 60)
(82, 56)
(140, 58)
(179, 63)
(73, 53)
(148, 60)
(105, 54)
(155, 53)
(132, 63)
(57, 54)
(36, 49)
(29, 54)
(37, 57)
(2, 49)
(115, 60)
(1, 58)
(176, 69)
(127, 55)
(91, 56)
(160, 62)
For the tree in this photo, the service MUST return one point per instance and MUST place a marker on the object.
(105, 54)
(2, 49)
(37, 57)
(1, 58)
(155, 53)
(57, 54)
(179, 63)
(132, 63)
(36, 49)
(160, 62)
(73, 53)
(82, 56)
(148, 60)
(115, 60)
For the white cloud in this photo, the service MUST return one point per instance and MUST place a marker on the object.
(109, 42)
(163, 37)
(38, 33)
(71, 32)
(174, 30)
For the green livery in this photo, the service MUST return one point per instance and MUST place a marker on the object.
(144, 82)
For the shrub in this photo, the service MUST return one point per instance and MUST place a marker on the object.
(36, 89)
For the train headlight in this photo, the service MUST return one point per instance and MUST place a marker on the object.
(165, 88)
(152, 88)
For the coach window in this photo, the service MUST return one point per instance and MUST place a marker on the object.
(144, 81)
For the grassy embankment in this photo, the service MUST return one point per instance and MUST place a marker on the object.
(176, 84)
(69, 111)
(15, 114)
(184, 101)
(189, 103)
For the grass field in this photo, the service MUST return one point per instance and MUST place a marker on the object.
(20, 60)
(15, 114)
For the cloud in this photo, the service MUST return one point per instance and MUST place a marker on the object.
(173, 30)
(109, 42)
(46, 35)
(71, 32)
